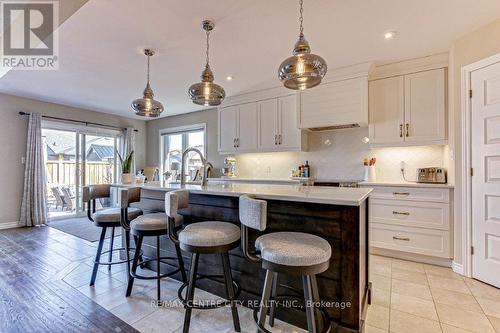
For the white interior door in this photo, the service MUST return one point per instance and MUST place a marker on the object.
(485, 159)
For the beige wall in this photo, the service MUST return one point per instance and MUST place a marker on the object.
(13, 129)
(209, 117)
(468, 49)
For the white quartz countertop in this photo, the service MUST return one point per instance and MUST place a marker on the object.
(298, 193)
(405, 184)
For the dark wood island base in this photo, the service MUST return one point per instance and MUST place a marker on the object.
(344, 287)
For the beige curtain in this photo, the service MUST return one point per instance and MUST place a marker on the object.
(34, 203)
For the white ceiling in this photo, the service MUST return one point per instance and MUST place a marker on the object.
(102, 67)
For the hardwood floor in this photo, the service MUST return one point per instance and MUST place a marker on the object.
(33, 293)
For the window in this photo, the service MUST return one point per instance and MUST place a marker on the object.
(176, 140)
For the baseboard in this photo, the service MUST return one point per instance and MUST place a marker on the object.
(411, 257)
(457, 268)
(9, 225)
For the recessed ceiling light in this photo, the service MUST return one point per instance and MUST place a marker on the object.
(390, 35)
(229, 78)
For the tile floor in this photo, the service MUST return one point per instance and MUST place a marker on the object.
(407, 297)
(411, 297)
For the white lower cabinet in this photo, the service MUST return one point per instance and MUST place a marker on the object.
(411, 219)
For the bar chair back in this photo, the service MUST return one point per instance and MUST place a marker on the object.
(104, 219)
(291, 253)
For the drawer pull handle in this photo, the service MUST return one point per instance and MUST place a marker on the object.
(400, 213)
(401, 193)
(406, 239)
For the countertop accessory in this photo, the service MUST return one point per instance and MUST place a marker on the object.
(147, 106)
(370, 173)
(206, 92)
(431, 175)
(303, 70)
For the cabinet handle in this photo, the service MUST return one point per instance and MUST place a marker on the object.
(400, 130)
(237, 142)
(401, 193)
(234, 143)
(275, 139)
(279, 141)
(407, 130)
(406, 239)
(400, 213)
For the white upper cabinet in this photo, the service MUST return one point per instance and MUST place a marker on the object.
(289, 135)
(238, 128)
(425, 106)
(228, 133)
(247, 127)
(335, 104)
(268, 124)
(409, 109)
(386, 110)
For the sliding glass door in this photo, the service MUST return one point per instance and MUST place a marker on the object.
(75, 157)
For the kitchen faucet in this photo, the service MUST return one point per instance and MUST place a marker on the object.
(206, 166)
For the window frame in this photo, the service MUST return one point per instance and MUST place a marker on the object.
(180, 130)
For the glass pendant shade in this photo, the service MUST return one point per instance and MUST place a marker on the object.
(206, 92)
(303, 69)
(147, 106)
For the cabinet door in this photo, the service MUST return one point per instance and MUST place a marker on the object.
(268, 124)
(247, 127)
(386, 105)
(290, 135)
(425, 106)
(227, 128)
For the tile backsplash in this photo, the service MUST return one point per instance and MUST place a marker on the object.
(339, 155)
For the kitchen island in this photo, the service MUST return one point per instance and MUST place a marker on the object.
(339, 215)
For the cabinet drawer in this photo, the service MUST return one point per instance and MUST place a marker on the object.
(407, 239)
(412, 214)
(411, 193)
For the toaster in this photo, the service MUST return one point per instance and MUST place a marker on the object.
(431, 175)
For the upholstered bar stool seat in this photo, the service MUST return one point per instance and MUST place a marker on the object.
(153, 222)
(293, 249)
(152, 225)
(209, 234)
(108, 216)
(208, 237)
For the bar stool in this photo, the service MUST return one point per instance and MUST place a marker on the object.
(209, 237)
(149, 225)
(105, 218)
(293, 253)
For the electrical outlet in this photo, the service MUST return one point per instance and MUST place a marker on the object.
(268, 170)
(23, 160)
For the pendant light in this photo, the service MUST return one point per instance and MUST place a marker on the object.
(147, 106)
(206, 92)
(302, 70)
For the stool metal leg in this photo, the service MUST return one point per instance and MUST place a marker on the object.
(230, 290)
(127, 250)
(181, 263)
(190, 291)
(98, 256)
(272, 310)
(134, 265)
(308, 297)
(266, 295)
(158, 267)
(315, 295)
(111, 246)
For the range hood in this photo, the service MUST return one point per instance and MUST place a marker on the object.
(340, 102)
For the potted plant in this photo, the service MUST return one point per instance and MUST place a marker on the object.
(127, 176)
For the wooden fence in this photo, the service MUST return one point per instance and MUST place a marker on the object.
(62, 173)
